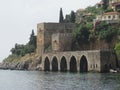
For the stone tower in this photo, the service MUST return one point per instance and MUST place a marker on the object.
(62, 42)
(45, 32)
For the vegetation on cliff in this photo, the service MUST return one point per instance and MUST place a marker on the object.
(21, 50)
(117, 49)
(86, 31)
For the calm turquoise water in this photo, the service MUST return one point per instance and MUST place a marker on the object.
(36, 80)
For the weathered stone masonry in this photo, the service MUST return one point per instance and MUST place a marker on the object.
(53, 46)
(45, 32)
(100, 61)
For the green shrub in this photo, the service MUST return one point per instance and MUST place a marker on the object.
(21, 50)
(117, 50)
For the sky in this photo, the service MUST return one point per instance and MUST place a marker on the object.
(19, 17)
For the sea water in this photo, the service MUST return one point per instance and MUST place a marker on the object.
(40, 80)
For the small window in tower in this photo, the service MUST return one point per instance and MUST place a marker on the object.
(55, 45)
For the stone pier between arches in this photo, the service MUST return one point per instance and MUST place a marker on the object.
(79, 61)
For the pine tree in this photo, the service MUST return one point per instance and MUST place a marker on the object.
(105, 4)
(72, 17)
(67, 19)
(32, 39)
(61, 18)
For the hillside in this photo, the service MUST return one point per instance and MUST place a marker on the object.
(91, 32)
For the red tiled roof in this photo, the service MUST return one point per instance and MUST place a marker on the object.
(81, 10)
(116, 3)
(111, 13)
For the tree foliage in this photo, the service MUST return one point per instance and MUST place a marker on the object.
(21, 49)
(81, 34)
(94, 10)
(117, 50)
(105, 4)
(106, 31)
(72, 17)
(88, 14)
(32, 40)
(61, 18)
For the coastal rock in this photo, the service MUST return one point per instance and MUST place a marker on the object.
(22, 65)
(35, 65)
(11, 66)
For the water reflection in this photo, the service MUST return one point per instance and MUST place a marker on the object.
(35, 80)
(85, 81)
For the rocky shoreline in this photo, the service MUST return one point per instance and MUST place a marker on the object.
(22, 65)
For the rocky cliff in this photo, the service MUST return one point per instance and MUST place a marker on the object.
(28, 62)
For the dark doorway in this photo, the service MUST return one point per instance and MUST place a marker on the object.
(47, 64)
(63, 64)
(106, 68)
(83, 64)
(73, 64)
(54, 64)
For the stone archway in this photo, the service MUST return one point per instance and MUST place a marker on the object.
(83, 64)
(73, 64)
(63, 64)
(54, 64)
(46, 64)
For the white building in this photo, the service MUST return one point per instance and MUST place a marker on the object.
(109, 17)
(114, 4)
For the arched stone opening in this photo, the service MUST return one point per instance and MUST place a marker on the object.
(73, 64)
(83, 64)
(54, 64)
(47, 64)
(63, 64)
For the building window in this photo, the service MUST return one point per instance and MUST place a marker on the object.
(113, 16)
(109, 17)
(96, 65)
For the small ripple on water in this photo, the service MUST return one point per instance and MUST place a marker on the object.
(34, 80)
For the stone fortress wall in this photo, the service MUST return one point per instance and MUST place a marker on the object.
(54, 48)
(45, 32)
